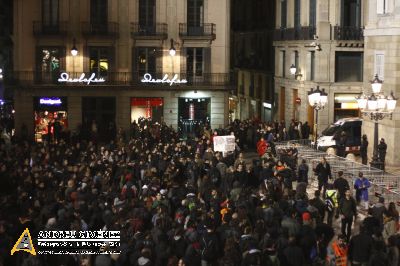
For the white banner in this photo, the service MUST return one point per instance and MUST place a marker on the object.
(224, 143)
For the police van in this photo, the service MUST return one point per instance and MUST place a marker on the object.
(331, 135)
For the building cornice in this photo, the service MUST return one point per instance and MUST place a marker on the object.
(392, 31)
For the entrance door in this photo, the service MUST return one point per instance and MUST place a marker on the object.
(193, 114)
(310, 118)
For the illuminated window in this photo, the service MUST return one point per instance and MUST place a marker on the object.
(50, 59)
(100, 60)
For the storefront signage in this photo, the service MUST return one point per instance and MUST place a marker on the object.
(147, 78)
(50, 101)
(64, 77)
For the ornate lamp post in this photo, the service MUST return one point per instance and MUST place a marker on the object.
(317, 99)
(376, 106)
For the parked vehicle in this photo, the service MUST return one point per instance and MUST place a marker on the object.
(330, 137)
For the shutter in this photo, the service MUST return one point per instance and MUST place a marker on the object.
(380, 6)
(207, 60)
(379, 65)
(389, 6)
(183, 62)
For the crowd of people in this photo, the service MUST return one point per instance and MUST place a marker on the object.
(178, 202)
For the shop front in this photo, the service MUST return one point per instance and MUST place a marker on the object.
(149, 108)
(193, 115)
(346, 105)
(50, 118)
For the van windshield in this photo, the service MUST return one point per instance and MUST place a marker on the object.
(331, 130)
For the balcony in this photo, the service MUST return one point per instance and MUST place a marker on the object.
(110, 29)
(41, 29)
(348, 33)
(292, 34)
(205, 31)
(158, 31)
(29, 78)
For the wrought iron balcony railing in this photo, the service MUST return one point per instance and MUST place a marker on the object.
(109, 29)
(290, 34)
(42, 29)
(157, 31)
(348, 33)
(205, 30)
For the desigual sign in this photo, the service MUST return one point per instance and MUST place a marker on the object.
(147, 78)
(64, 77)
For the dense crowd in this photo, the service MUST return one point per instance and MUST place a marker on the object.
(178, 202)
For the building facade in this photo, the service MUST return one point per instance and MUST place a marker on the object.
(324, 41)
(381, 56)
(124, 68)
(252, 57)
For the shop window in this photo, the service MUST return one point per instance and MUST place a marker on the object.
(100, 59)
(349, 67)
(194, 114)
(149, 108)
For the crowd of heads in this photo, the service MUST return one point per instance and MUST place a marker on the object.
(174, 201)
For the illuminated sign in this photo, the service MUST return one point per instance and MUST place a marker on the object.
(147, 78)
(50, 101)
(64, 77)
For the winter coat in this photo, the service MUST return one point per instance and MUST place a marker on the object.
(323, 172)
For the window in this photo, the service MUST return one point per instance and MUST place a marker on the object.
(296, 60)
(283, 60)
(194, 61)
(351, 13)
(195, 13)
(313, 13)
(98, 13)
(242, 85)
(312, 65)
(297, 9)
(384, 6)
(50, 61)
(349, 66)
(379, 65)
(50, 13)
(283, 13)
(147, 13)
(145, 60)
(100, 60)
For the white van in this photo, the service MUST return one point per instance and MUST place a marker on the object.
(330, 136)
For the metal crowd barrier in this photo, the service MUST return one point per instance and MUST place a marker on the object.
(382, 184)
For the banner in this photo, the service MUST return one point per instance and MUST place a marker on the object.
(224, 143)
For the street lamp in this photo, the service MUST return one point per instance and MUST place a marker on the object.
(172, 50)
(317, 100)
(376, 106)
(74, 50)
(293, 69)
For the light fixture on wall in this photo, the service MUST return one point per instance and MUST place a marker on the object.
(293, 69)
(74, 50)
(172, 50)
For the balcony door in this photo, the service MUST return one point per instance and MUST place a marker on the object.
(147, 16)
(98, 15)
(351, 13)
(195, 17)
(145, 61)
(50, 15)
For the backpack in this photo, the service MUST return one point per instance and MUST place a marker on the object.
(210, 249)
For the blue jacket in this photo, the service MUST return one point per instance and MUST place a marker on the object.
(362, 185)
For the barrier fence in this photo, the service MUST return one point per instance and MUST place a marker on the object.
(383, 184)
